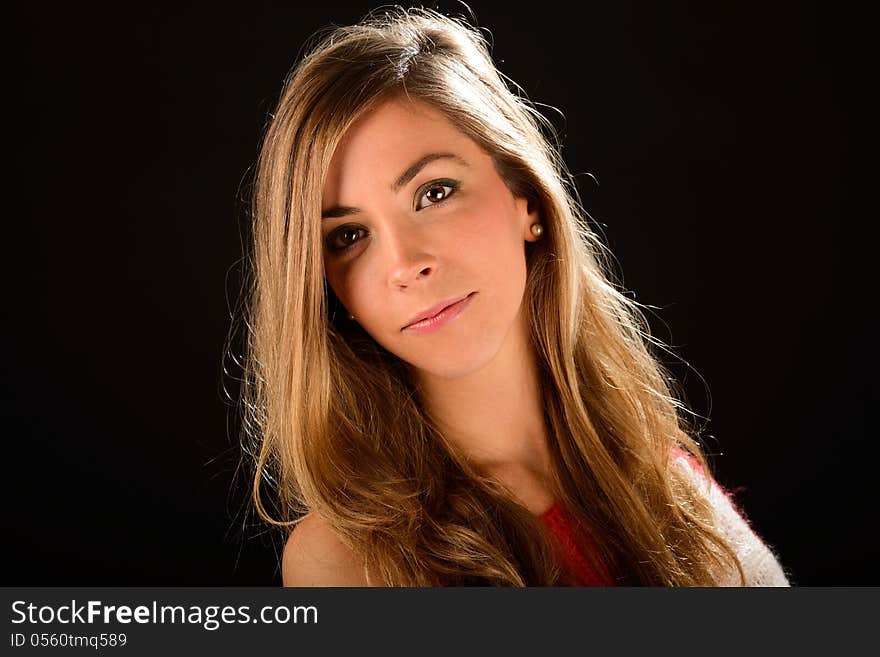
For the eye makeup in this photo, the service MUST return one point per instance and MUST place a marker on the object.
(443, 183)
(448, 186)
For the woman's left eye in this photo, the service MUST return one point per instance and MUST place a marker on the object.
(437, 192)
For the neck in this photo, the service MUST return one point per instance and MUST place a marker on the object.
(496, 414)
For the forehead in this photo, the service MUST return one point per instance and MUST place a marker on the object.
(389, 138)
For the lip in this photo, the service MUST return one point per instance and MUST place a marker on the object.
(439, 315)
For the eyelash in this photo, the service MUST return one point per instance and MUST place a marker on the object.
(452, 185)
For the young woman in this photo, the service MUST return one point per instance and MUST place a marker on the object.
(443, 387)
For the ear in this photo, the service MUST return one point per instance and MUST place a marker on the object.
(528, 212)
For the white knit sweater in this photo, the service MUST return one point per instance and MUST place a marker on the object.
(760, 564)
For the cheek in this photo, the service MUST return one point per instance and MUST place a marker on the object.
(351, 287)
(337, 280)
(488, 229)
(494, 238)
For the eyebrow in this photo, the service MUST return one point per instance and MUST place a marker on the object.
(411, 172)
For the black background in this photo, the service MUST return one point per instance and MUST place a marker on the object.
(720, 138)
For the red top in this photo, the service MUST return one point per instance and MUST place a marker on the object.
(575, 548)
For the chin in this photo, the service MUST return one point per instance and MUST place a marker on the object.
(456, 361)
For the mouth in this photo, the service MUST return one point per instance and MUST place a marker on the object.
(439, 315)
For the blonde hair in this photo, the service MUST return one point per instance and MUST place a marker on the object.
(331, 419)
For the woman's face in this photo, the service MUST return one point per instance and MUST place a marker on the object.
(415, 214)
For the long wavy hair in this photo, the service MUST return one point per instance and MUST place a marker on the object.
(332, 421)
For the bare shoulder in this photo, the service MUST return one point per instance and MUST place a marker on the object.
(314, 555)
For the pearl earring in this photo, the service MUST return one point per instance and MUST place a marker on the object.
(350, 316)
(537, 230)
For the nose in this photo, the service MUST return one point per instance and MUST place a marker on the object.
(408, 254)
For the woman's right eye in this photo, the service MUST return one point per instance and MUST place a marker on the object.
(343, 238)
